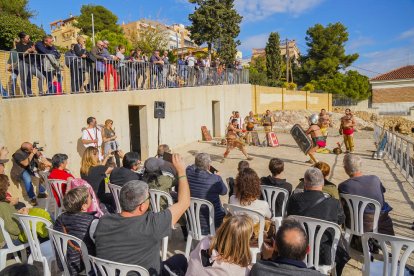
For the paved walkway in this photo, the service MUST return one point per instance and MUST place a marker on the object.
(399, 191)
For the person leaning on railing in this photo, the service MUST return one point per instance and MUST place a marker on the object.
(80, 52)
(28, 65)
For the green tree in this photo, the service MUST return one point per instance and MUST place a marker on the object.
(309, 87)
(114, 39)
(357, 85)
(104, 19)
(257, 71)
(326, 54)
(151, 39)
(11, 26)
(17, 8)
(217, 23)
(273, 57)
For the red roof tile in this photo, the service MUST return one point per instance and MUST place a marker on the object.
(406, 72)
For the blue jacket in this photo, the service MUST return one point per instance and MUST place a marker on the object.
(205, 185)
(46, 50)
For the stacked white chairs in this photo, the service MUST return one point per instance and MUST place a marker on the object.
(116, 190)
(108, 268)
(356, 206)
(192, 215)
(270, 194)
(234, 210)
(315, 228)
(57, 186)
(11, 248)
(394, 260)
(155, 197)
(40, 252)
(61, 242)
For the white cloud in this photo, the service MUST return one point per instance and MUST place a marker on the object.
(384, 61)
(407, 34)
(256, 41)
(359, 42)
(255, 10)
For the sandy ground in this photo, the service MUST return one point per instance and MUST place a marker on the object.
(399, 191)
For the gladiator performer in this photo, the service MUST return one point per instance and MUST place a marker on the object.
(324, 122)
(347, 130)
(318, 140)
(234, 140)
(268, 121)
(249, 125)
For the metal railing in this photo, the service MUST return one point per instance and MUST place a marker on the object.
(28, 75)
(398, 149)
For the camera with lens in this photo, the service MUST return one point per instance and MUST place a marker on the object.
(35, 145)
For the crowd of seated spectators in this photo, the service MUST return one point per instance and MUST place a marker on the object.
(134, 235)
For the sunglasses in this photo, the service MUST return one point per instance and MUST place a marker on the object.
(145, 200)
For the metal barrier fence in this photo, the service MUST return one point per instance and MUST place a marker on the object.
(28, 75)
(398, 149)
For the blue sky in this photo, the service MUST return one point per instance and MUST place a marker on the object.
(381, 31)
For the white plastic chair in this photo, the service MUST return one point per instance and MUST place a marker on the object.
(397, 244)
(56, 185)
(108, 268)
(356, 206)
(270, 195)
(234, 209)
(315, 228)
(192, 215)
(155, 196)
(40, 252)
(61, 241)
(50, 198)
(11, 248)
(116, 190)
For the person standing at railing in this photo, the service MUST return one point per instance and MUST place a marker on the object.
(50, 63)
(139, 64)
(81, 53)
(75, 68)
(28, 65)
(166, 69)
(100, 63)
(182, 71)
(191, 61)
(122, 68)
(12, 67)
(110, 67)
(156, 70)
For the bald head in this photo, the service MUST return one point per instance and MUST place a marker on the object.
(26, 146)
(291, 240)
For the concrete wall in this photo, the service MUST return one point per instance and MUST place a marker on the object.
(275, 98)
(56, 121)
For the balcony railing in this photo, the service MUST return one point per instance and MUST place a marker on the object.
(35, 75)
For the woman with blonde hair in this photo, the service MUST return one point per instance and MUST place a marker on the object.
(225, 254)
(93, 172)
(109, 140)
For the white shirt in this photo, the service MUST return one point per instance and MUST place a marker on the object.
(90, 134)
(258, 205)
(191, 61)
(93, 134)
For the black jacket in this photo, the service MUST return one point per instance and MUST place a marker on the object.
(302, 204)
(278, 183)
(282, 267)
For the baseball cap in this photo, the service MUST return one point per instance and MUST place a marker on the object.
(153, 164)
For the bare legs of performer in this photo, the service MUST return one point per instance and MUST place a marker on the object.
(311, 153)
(241, 148)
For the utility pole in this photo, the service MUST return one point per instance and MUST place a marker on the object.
(287, 60)
(93, 31)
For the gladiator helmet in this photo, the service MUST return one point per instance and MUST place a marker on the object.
(314, 119)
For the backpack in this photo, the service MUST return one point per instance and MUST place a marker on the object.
(95, 206)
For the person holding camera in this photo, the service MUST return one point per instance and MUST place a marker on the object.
(25, 162)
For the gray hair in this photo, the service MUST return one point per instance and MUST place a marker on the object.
(203, 161)
(133, 194)
(314, 178)
(352, 164)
